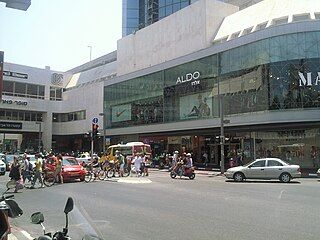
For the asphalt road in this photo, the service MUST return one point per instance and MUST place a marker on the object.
(208, 207)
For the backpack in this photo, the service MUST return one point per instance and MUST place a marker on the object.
(30, 167)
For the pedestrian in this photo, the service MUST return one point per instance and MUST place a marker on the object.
(26, 168)
(137, 163)
(121, 162)
(58, 171)
(15, 174)
(38, 171)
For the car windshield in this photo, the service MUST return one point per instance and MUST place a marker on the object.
(70, 162)
(9, 158)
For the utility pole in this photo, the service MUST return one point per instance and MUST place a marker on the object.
(104, 132)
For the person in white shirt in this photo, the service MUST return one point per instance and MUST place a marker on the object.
(137, 163)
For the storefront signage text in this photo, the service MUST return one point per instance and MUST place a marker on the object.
(189, 77)
(10, 125)
(15, 74)
(308, 82)
(20, 103)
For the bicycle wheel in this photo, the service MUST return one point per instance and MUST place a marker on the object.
(88, 177)
(110, 173)
(126, 172)
(48, 180)
(102, 174)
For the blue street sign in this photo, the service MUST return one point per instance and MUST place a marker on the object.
(95, 120)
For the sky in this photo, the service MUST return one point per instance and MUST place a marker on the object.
(57, 33)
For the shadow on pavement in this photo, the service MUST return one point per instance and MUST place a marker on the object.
(262, 181)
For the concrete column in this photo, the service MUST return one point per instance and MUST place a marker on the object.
(47, 131)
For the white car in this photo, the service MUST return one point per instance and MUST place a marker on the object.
(318, 172)
(266, 168)
(2, 168)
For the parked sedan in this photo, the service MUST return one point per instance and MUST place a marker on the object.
(318, 173)
(2, 168)
(267, 168)
(71, 169)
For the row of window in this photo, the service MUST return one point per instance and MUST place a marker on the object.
(28, 90)
(20, 89)
(69, 117)
(273, 22)
(20, 115)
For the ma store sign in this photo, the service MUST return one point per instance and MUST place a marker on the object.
(308, 82)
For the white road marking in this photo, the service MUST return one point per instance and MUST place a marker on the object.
(281, 194)
(27, 235)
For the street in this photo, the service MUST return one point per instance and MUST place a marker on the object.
(208, 207)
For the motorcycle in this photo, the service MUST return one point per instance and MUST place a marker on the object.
(179, 171)
(8, 208)
(38, 218)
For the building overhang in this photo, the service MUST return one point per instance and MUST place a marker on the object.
(17, 4)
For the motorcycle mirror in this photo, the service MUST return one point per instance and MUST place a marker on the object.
(14, 209)
(37, 218)
(69, 205)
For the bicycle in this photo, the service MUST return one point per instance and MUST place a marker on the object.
(93, 173)
(114, 171)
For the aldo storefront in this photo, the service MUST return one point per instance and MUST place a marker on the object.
(271, 99)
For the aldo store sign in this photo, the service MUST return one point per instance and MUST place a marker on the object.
(189, 77)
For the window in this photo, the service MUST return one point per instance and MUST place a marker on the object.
(21, 116)
(317, 15)
(14, 115)
(27, 116)
(301, 17)
(261, 163)
(274, 163)
(247, 31)
(32, 90)
(8, 115)
(280, 21)
(41, 91)
(8, 86)
(2, 115)
(20, 89)
(261, 26)
(55, 117)
(39, 117)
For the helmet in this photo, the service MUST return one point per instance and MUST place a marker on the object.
(176, 152)
(117, 151)
(188, 155)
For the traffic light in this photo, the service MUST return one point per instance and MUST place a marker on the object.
(94, 130)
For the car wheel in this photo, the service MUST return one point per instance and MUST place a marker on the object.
(285, 177)
(192, 176)
(238, 177)
(173, 174)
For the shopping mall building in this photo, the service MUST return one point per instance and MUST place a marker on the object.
(163, 83)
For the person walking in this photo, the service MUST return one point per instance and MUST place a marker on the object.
(58, 171)
(26, 169)
(121, 162)
(15, 174)
(38, 172)
(137, 163)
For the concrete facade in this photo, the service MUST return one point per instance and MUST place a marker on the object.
(188, 30)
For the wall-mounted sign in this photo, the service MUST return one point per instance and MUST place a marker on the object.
(189, 77)
(17, 102)
(57, 79)
(15, 74)
(10, 125)
(309, 81)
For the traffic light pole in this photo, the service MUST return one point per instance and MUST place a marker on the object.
(92, 139)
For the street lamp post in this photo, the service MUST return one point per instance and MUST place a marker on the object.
(39, 137)
(104, 132)
(90, 51)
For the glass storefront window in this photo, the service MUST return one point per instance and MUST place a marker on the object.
(8, 86)
(20, 89)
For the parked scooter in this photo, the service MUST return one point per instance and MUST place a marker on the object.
(180, 170)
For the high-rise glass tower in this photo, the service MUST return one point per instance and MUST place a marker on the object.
(137, 14)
